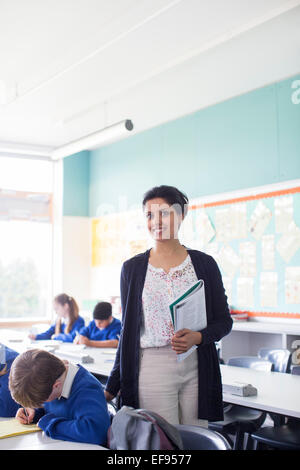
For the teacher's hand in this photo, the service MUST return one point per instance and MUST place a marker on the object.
(108, 396)
(184, 339)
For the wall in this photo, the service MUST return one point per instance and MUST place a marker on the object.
(250, 140)
(247, 141)
(76, 175)
(75, 227)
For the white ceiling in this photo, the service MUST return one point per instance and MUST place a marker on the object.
(71, 67)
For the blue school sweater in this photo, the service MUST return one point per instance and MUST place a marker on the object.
(66, 337)
(8, 407)
(83, 417)
(92, 332)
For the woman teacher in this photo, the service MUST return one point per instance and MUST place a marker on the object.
(146, 372)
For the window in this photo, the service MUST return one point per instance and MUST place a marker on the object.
(26, 238)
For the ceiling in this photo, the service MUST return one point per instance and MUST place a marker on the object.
(71, 67)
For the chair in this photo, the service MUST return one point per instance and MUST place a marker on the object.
(199, 438)
(251, 362)
(285, 437)
(295, 370)
(240, 420)
(281, 358)
(112, 409)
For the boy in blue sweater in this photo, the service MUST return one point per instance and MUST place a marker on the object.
(65, 400)
(8, 407)
(103, 331)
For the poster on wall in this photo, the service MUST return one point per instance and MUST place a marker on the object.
(284, 213)
(247, 255)
(255, 242)
(268, 289)
(292, 285)
(268, 252)
(259, 220)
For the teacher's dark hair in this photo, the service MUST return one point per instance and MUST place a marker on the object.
(171, 195)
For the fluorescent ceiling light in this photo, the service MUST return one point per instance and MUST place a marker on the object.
(24, 149)
(89, 142)
(94, 140)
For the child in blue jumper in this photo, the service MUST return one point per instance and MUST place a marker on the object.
(68, 321)
(8, 407)
(103, 331)
(65, 400)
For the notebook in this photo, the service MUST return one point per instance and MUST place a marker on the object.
(12, 427)
(189, 311)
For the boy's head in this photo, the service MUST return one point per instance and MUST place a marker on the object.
(35, 377)
(102, 314)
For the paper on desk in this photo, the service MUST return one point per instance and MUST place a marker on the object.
(12, 427)
(54, 343)
(71, 347)
(189, 311)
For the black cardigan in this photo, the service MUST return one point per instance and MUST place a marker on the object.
(125, 373)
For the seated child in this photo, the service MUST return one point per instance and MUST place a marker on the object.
(8, 407)
(65, 400)
(103, 331)
(65, 308)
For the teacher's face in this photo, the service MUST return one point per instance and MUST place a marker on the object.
(163, 221)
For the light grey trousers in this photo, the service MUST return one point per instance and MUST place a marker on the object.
(168, 387)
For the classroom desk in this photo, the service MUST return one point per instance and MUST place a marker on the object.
(103, 357)
(276, 392)
(39, 441)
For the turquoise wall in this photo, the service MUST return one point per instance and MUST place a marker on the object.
(250, 140)
(76, 179)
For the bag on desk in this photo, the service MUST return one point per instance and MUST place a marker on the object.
(139, 429)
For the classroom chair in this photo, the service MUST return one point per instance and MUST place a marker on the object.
(199, 438)
(112, 410)
(284, 437)
(240, 420)
(281, 358)
(218, 348)
(295, 370)
(252, 362)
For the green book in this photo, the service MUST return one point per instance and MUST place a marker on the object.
(198, 285)
(189, 311)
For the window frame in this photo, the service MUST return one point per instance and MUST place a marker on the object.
(56, 207)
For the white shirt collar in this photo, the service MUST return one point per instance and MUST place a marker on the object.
(72, 371)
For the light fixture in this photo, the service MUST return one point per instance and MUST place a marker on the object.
(35, 152)
(96, 139)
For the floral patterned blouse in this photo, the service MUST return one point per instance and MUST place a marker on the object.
(160, 290)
